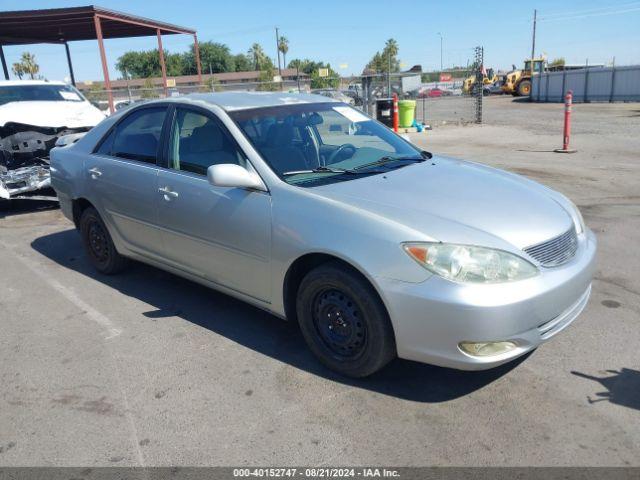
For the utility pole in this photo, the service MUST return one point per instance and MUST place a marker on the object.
(278, 50)
(389, 74)
(440, 51)
(533, 43)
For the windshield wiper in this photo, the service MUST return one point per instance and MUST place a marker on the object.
(389, 159)
(323, 169)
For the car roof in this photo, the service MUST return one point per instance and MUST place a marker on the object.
(13, 83)
(231, 101)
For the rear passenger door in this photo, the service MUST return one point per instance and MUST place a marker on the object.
(217, 233)
(121, 179)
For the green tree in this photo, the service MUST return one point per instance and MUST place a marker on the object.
(389, 55)
(266, 79)
(142, 64)
(259, 59)
(176, 64)
(149, 90)
(331, 81)
(242, 62)
(26, 66)
(283, 46)
(306, 66)
(557, 62)
(214, 57)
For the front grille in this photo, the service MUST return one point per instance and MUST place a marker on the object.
(556, 251)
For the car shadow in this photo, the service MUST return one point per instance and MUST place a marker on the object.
(253, 328)
(621, 387)
(9, 208)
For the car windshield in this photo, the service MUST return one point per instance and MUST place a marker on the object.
(37, 93)
(310, 144)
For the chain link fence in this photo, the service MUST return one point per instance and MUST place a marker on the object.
(443, 96)
(123, 97)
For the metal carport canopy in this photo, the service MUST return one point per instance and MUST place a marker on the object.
(62, 25)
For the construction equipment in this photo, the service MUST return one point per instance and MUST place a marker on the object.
(488, 77)
(518, 82)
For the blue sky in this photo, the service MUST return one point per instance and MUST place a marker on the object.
(350, 32)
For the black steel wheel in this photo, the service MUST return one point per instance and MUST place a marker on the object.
(338, 323)
(98, 244)
(344, 321)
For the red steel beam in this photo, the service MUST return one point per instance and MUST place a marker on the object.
(163, 67)
(103, 57)
(197, 53)
(151, 25)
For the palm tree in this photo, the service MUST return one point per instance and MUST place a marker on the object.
(391, 47)
(257, 56)
(18, 69)
(283, 46)
(29, 65)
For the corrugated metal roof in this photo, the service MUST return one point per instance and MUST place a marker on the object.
(56, 25)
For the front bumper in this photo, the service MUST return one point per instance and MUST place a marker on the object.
(431, 318)
(14, 183)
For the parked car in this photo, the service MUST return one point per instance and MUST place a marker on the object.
(335, 94)
(353, 94)
(313, 211)
(34, 114)
(434, 93)
(494, 88)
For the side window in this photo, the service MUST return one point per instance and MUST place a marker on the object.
(137, 137)
(106, 144)
(197, 142)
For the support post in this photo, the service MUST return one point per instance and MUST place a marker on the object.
(4, 64)
(196, 51)
(613, 81)
(567, 125)
(73, 78)
(585, 98)
(103, 58)
(163, 67)
(396, 114)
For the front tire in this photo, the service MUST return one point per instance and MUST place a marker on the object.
(524, 89)
(344, 321)
(98, 244)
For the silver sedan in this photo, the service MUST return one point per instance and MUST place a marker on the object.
(307, 208)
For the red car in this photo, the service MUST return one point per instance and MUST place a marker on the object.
(434, 93)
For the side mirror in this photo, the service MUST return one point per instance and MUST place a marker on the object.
(234, 176)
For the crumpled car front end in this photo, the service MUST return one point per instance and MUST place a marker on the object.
(24, 157)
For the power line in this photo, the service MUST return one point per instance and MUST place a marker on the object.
(591, 10)
(588, 15)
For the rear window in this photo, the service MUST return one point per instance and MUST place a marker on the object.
(39, 93)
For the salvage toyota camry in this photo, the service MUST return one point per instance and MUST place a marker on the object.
(307, 208)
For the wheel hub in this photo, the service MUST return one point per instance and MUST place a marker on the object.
(339, 324)
(98, 242)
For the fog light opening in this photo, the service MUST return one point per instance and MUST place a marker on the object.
(486, 349)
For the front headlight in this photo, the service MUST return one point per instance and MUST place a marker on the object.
(578, 221)
(467, 263)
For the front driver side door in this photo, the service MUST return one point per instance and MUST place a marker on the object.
(217, 233)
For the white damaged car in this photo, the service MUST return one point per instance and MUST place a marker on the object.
(34, 115)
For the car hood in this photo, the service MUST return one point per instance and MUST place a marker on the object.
(459, 202)
(51, 114)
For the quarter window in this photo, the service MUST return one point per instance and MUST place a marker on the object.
(198, 141)
(137, 137)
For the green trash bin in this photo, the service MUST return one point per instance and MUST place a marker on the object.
(407, 111)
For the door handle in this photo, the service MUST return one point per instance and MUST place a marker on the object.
(95, 173)
(168, 193)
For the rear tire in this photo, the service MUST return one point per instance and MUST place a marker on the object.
(344, 321)
(98, 244)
